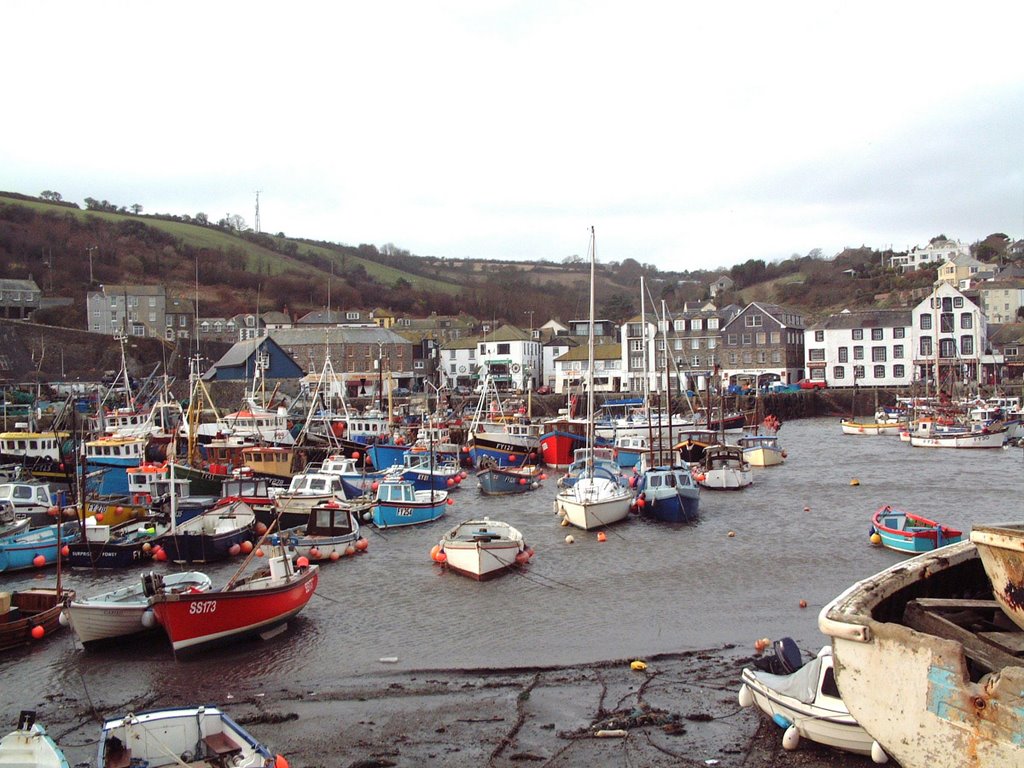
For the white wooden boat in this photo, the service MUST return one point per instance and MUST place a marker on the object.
(29, 747)
(762, 450)
(929, 433)
(1001, 547)
(482, 549)
(808, 705)
(881, 424)
(724, 467)
(193, 736)
(125, 611)
(924, 660)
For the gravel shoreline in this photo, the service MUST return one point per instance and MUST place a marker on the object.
(681, 710)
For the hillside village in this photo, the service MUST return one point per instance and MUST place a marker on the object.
(966, 329)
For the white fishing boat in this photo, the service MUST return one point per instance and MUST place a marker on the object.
(593, 501)
(29, 747)
(193, 736)
(807, 704)
(482, 549)
(762, 450)
(929, 433)
(724, 467)
(926, 661)
(125, 611)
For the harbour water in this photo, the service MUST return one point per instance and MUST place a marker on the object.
(801, 533)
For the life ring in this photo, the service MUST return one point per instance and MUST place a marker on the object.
(515, 367)
(462, 369)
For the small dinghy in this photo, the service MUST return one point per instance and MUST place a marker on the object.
(482, 549)
(804, 700)
(29, 746)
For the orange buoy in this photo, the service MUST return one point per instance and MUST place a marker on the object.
(38, 561)
(65, 551)
(160, 555)
(335, 555)
(602, 536)
(442, 558)
(234, 550)
(451, 501)
(362, 544)
(53, 511)
(246, 546)
(803, 603)
(314, 553)
(259, 552)
(355, 455)
(99, 517)
(37, 632)
(511, 457)
(434, 550)
(302, 562)
(118, 510)
(280, 762)
(261, 528)
(450, 481)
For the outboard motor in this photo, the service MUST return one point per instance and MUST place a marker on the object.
(785, 659)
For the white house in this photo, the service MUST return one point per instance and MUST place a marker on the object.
(571, 368)
(509, 357)
(935, 253)
(948, 337)
(866, 348)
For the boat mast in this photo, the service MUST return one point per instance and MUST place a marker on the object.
(590, 362)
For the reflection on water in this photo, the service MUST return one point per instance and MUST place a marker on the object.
(801, 532)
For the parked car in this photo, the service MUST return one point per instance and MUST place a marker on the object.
(543, 389)
(811, 384)
(400, 392)
(462, 390)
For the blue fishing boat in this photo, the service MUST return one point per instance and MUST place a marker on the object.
(23, 550)
(114, 455)
(426, 470)
(669, 494)
(910, 533)
(399, 503)
(384, 455)
(493, 480)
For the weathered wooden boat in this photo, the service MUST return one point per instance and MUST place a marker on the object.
(203, 737)
(807, 704)
(762, 450)
(693, 444)
(29, 747)
(724, 468)
(398, 503)
(119, 546)
(925, 660)
(909, 533)
(1001, 548)
(258, 605)
(125, 611)
(668, 493)
(216, 534)
(29, 615)
(37, 547)
(493, 480)
(331, 532)
(482, 549)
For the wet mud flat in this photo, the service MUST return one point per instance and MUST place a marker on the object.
(681, 710)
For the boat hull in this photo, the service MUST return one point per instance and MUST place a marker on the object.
(195, 622)
(388, 515)
(35, 607)
(506, 482)
(1001, 548)
(483, 549)
(959, 440)
(871, 428)
(594, 503)
(911, 534)
(30, 747)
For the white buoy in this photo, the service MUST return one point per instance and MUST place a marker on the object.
(148, 618)
(569, 539)
(62, 619)
(791, 738)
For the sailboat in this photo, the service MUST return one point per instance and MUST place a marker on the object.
(592, 501)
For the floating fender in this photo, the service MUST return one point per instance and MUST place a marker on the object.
(746, 696)
(878, 754)
(791, 738)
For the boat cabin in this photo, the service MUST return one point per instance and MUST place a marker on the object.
(315, 484)
(340, 465)
(396, 492)
(269, 460)
(27, 495)
(44, 445)
(330, 519)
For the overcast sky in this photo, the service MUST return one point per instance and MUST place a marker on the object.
(691, 135)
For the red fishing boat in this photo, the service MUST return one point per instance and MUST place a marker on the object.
(258, 605)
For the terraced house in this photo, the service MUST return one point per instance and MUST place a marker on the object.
(763, 341)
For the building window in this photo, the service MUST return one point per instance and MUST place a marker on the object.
(966, 345)
(878, 355)
(879, 371)
(925, 322)
(819, 335)
(761, 339)
(858, 353)
(696, 324)
(816, 355)
(897, 352)
(926, 346)
(958, 302)
(776, 356)
(712, 342)
(858, 372)
(752, 321)
(898, 371)
(898, 333)
(731, 339)
(946, 323)
(712, 323)
(746, 339)
(776, 337)
(858, 334)
(838, 372)
(966, 321)
(844, 354)
(947, 348)
(876, 334)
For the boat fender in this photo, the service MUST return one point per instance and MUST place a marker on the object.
(878, 754)
(148, 618)
(781, 720)
(746, 696)
(791, 738)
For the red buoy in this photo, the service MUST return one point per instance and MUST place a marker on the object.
(38, 632)
(38, 561)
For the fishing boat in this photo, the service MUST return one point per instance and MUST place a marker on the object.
(883, 423)
(693, 444)
(398, 503)
(594, 500)
(909, 533)
(119, 546)
(216, 534)
(31, 498)
(925, 660)
(29, 747)
(1001, 548)
(195, 736)
(125, 611)
(599, 460)
(930, 433)
(114, 455)
(44, 455)
(667, 493)
(493, 480)
(482, 549)
(425, 470)
(806, 703)
(11, 523)
(273, 464)
(331, 532)
(258, 605)
(762, 450)
(724, 468)
(37, 547)
(307, 489)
